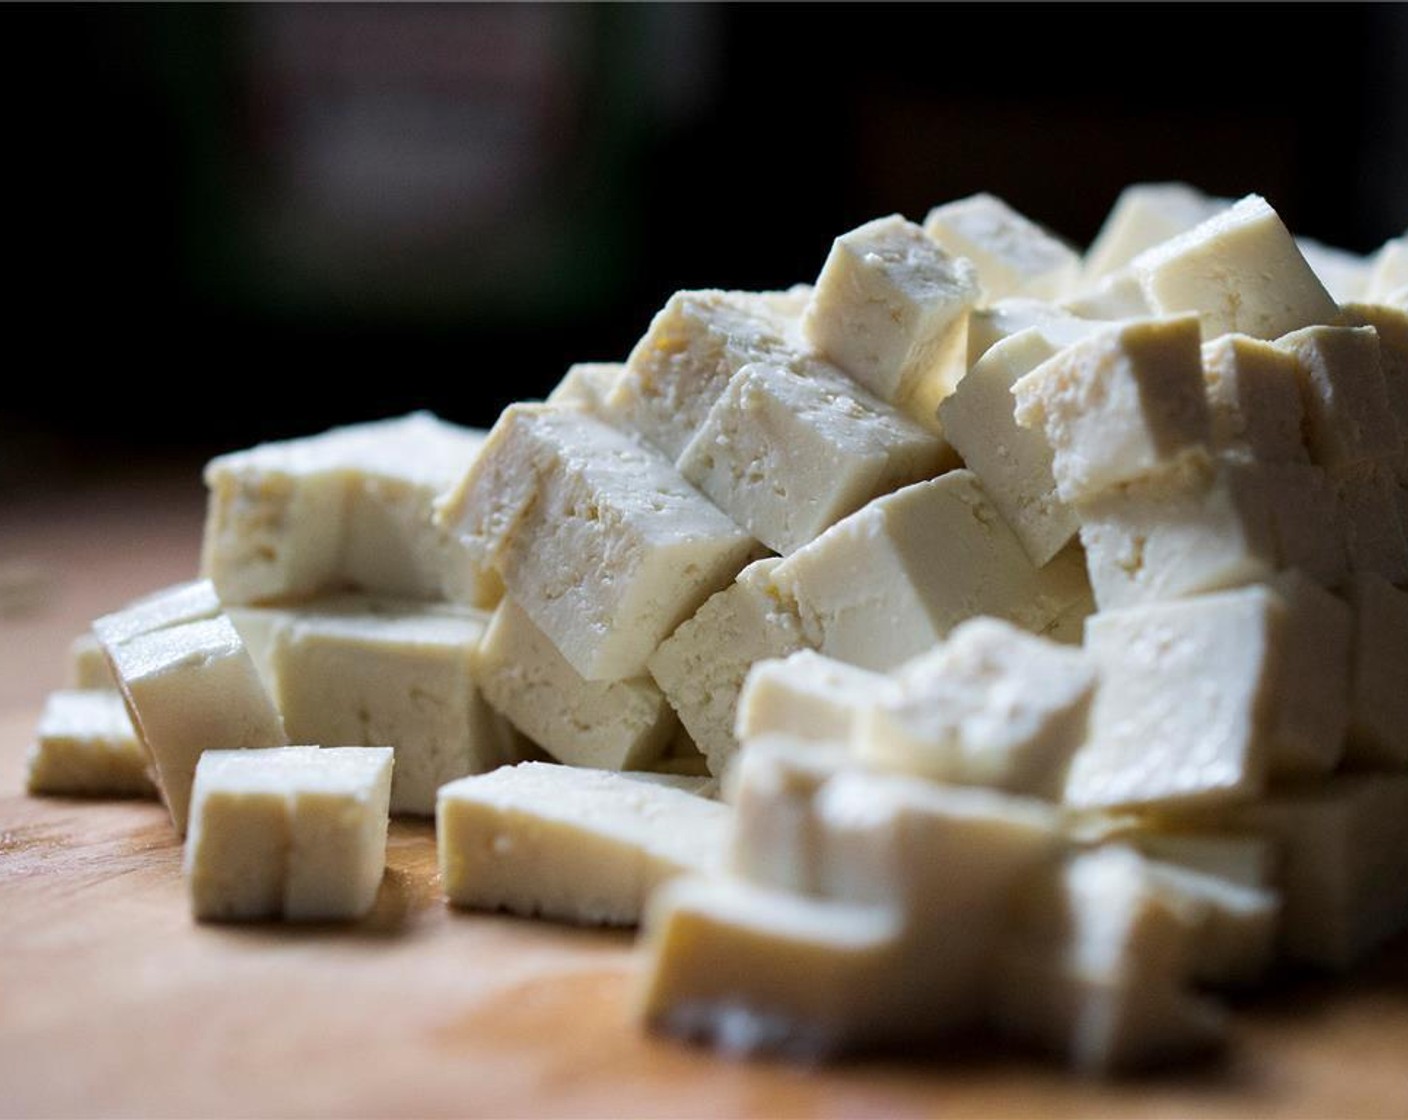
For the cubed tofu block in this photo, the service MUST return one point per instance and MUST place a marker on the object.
(1054, 325)
(190, 688)
(1391, 324)
(1348, 416)
(993, 706)
(1343, 867)
(1123, 404)
(1344, 274)
(1307, 520)
(694, 346)
(85, 745)
(88, 667)
(1014, 256)
(171, 606)
(1254, 396)
(806, 695)
(586, 385)
(576, 845)
(1097, 965)
(702, 665)
(1013, 463)
(1144, 215)
(1200, 527)
(886, 303)
(403, 678)
(349, 507)
(749, 970)
(787, 454)
(1149, 745)
(609, 725)
(598, 538)
(1378, 724)
(298, 833)
(895, 577)
(1370, 515)
(1389, 274)
(1238, 271)
(1235, 943)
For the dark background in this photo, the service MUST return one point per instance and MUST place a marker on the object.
(233, 224)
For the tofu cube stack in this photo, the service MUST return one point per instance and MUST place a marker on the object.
(1042, 616)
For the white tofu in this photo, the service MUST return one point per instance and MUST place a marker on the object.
(1114, 298)
(1014, 256)
(1344, 274)
(694, 346)
(1371, 517)
(895, 577)
(1012, 462)
(1348, 416)
(886, 304)
(586, 385)
(1144, 215)
(88, 668)
(702, 665)
(1238, 271)
(786, 454)
(1235, 943)
(597, 538)
(1343, 875)
(349, 507)
(1378, 725)
(609, 725)
(298, 833)
(576, 845)
(403, 679)
(1307, 521)
(1253, 390)
(993, 706)
(807, 696)
(1392, 327)
(750, 970)
(1389, 274)
(85, 745)
(180, 603)
(1200, 527)
(1125, 403)
(1237, 858)
(192, 687)
(1149, 744)
(1001, 319)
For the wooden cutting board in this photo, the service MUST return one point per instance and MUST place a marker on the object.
(114, 1002)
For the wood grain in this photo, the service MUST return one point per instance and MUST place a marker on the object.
(114, 1002)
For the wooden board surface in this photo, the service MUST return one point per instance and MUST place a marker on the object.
(114, 1002)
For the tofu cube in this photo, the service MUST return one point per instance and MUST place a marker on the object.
(586, 385)
(88, 668)
(992, 706)
(787, 455)
(85, 745)
(1307, 520)
(702, 665)
(1003, 318)
(694, 346)
(190, 688)
(1239, 271)
(1389, 273)
(1014, 256)
(1254, 396)
(1345, 275)
(171, 606)
(571, 844)
(895, 577)
(1378, 725)
(1121, 405)
(886, 303)
(1013, 463)
(1144, 215)
(298, 833)
(609, 725)
(1368, 496)
(597, 538)
(806, 696)
(403, 679)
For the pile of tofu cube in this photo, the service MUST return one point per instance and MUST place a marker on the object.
(1041, 616)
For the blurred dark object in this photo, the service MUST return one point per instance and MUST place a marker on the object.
(231, 224)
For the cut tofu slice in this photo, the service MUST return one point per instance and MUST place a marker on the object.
(1014, 256)
(694, 346)
(1234, 944)
(609, 725)
(1013, 462)
(171, 606)
(1144, 215)
(576, 845)
(586, 385)
(88, 668)
(402, 678)
(1001, 319)
(192, 687)
(349, 507)
(1378, 725)
(788, 454)
(701, 666)
(750, 970)
(1370, 512)
(1389, 274)
(597, 538)
(1119, 406)
(887, 303)
(1344, 274)
(895, 577)
(297, 832)
(807, 695)
(1254, 395)
(993, 706)
(85, 745)
(1239, 271)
